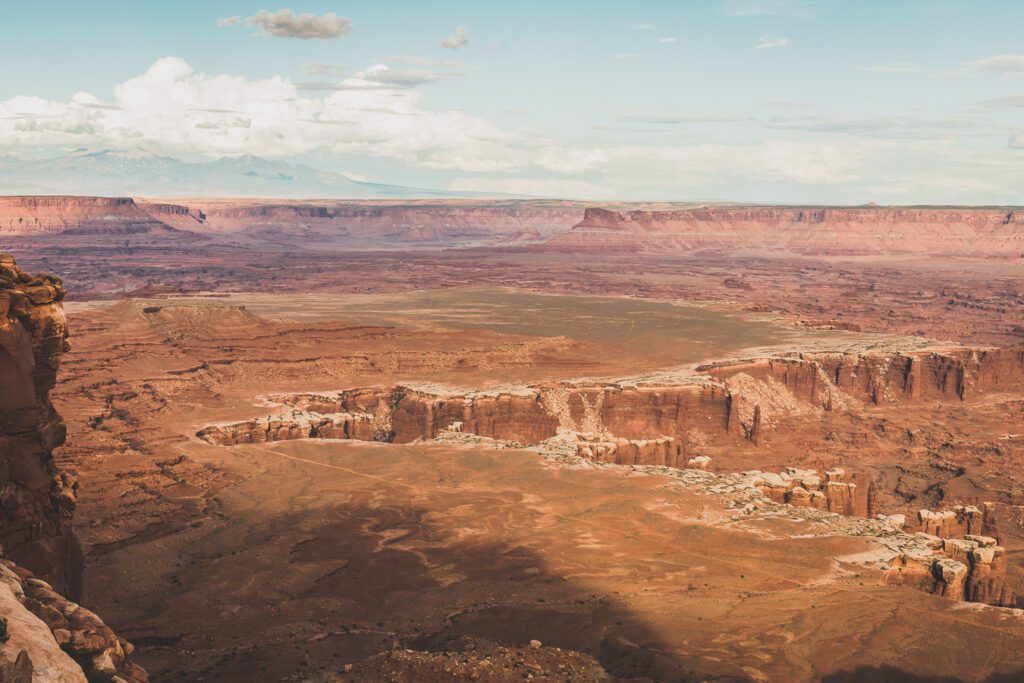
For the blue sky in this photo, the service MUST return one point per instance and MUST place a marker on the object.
(838, 101)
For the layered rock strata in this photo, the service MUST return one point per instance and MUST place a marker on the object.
(44, 636)
(827, 231)
(737, 399)
(971, 569)
(36, 500)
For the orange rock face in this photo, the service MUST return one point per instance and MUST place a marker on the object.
(37, 499)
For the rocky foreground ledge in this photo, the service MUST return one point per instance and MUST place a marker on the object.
(44, 635)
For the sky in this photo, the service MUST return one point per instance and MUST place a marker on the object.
(790, 101)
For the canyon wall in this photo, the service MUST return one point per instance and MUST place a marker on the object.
(309, 225)
(323, 224)
(36, 500)
(734, 399)
(46, 635)
(851, 231)
(444, 223)
(47, 215)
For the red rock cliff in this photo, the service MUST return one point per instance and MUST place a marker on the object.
(48, 636)
(988, 232)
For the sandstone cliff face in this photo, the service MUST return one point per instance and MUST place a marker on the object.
(114, 216)
(850, 231)
(389, 224)
(37, 501)
(732, 400)
(972, 569)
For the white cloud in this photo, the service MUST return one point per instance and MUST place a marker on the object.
(425, 61)
(229, 21)
(1007, 103)
(374, 113)
(667, 40)
(460, 39)
(326, 70)
(1007, 65)
(1000, 64)
(570, 160)
(767, 42)
(284, 24)
(384, 75)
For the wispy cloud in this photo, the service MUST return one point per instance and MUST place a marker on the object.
(425, 61)
(681, 119)
(667, 40)
(999, 64)
(460, 39)
(766, 42)
(284, 24)
(1010, 64)
(896, 68)
(381, 73)
(325, 70)
(1007, 103)
(224, 22)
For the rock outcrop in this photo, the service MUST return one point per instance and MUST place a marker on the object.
(110, 216)
(36, 500)
(50, 638)
(730, 400)
(43, 627)
(971, 569)
(833, 492)
(824, 231)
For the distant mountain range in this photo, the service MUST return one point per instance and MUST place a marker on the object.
(139, 172)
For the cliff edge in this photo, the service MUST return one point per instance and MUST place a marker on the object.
(44, 636)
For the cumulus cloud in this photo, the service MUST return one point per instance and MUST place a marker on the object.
(460, 39)
(284, 24)
(766, 43)
(374, 113)
(229, 21)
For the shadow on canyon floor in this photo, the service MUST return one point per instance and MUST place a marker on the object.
(890, 674)
(365, 579)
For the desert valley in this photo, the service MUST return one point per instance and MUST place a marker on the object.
(512, 439)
